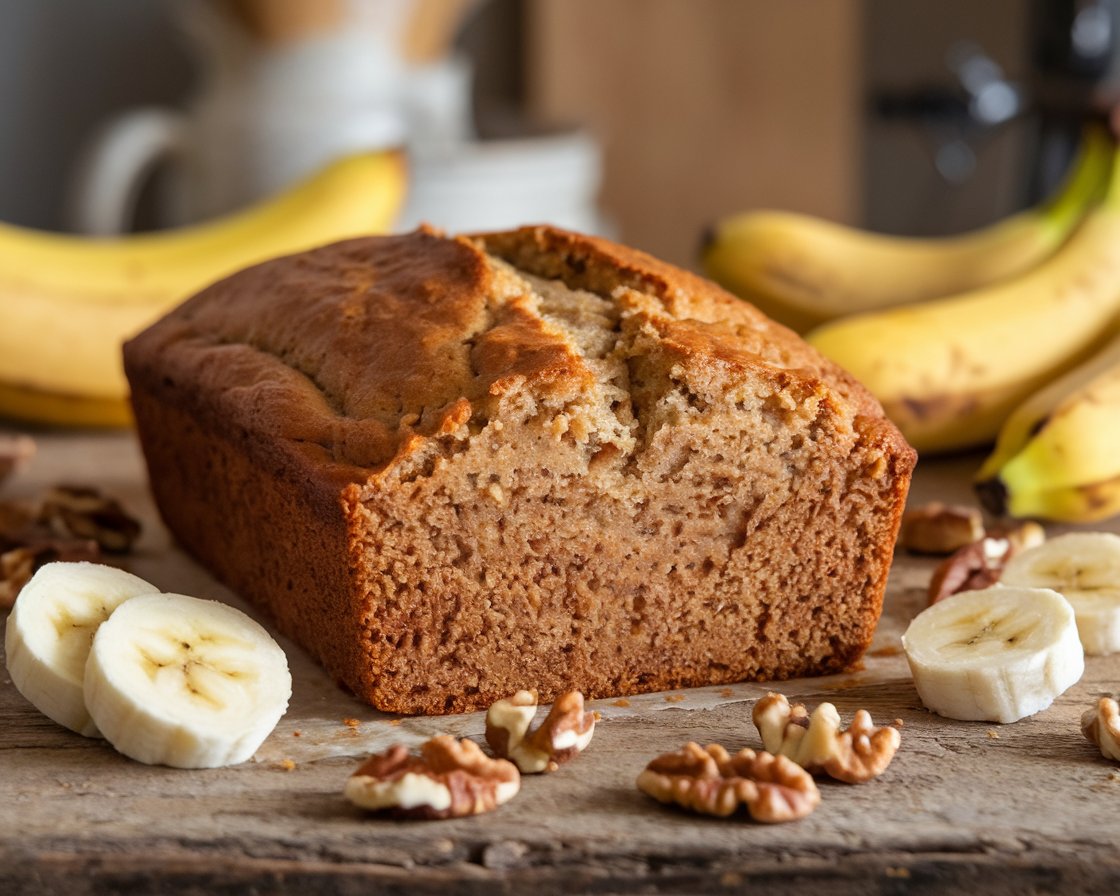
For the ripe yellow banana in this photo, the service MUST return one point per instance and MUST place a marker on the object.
(58, 409)
(950, 371)
(68, 302)
(804, 271)
(1058, 454)
(1087, 503)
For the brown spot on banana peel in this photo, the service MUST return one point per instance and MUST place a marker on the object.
(1038, 426)
(949, 421)
(799, 302)
(1100, 495)
(939, 406)
(962, 362)
(793, 277)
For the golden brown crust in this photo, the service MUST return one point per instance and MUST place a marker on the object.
(454, 468)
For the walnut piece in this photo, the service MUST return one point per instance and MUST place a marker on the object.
(71, 523)
(19, 564)
(25, 545)
(976, 566)
(449, 779)
(84, 512)
(710, 781)
(565, 732)
(15, 451)
(1025, 535)
(980, 564)
(937, 528)
(817, 744)
(1102, 727)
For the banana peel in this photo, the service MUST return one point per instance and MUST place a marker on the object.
(1057, 455)
(56, 409)
(948, 372)
(69, 302)
(805, 271)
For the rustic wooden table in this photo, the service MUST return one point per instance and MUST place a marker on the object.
(1022, 808)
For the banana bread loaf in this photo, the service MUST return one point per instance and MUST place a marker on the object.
(455, 468)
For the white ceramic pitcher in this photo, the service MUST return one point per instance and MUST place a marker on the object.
(269, 112)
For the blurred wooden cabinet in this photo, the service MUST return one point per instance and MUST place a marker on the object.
(705, 106)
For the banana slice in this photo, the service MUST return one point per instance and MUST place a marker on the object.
(50, 630)
(999, 654)
(1084, 567)
(175, 680)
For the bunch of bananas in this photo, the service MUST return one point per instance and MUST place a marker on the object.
(1011, 333)
(68, 302)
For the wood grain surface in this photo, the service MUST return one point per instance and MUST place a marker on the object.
(1023, 808)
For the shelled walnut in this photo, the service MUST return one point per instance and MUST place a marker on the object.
(26, 545)
(84, 512)
(817, 743)
(19, 564)
(710, 781)
(1102, 726)
(565, 732)
(980, 564)
(449, 779)
(70, 523)
(937, 528)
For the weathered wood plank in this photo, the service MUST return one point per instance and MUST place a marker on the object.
(1028, 807)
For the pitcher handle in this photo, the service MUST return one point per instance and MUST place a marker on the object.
(113, 168)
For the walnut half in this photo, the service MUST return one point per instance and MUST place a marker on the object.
(1102, 727)
(980, 564)
(565, 732)
(25, 545)
(83, 512)
(937, 528)
(710, 781)
(19, 564)
(449, 779)
(817, 744)
(70, 523)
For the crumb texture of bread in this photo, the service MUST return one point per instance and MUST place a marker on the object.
(455, 468)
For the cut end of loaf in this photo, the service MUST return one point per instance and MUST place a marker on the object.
(626, 527)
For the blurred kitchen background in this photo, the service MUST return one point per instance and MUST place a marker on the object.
(643, 119)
